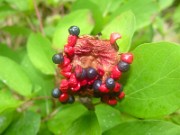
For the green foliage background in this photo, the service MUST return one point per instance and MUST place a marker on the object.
(31, 31)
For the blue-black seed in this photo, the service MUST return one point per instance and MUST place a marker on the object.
(71, 99)
(110, 83)
(56, 93)
(58, 58)
(96, 85)
(123, 66)
(74, 30)
(91, 73)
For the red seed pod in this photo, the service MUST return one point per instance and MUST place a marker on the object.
(67, 68)
(127, 57)
(64, 85)
(72, 40)
(65, 62)
(112, 101)
(117, 87)
(100, 71)
(83, 82)
(103, 88)
(66, 74)
(76, 88)
(115, 74)
(69, 50)
(121, 95)
(64, 97)
(114, 37)
(73, 81)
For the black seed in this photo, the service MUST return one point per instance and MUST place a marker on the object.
(91, 73)
(110, 83)
(58, 58)
(71, 99)
(56, 93)
(96, 85)
(74, 30)
(123, 66)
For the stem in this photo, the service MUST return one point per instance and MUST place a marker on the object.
(39, 17)
(87, 102)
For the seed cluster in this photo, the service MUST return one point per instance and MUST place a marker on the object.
(91, 67)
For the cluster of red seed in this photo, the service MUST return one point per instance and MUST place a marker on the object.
(91, 68)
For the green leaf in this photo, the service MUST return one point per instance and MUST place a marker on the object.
(123, 24)
(8, 101)
(147, 127)
(108, 117)
(13, 76)
(144, 10)
(8, 52)
(163, 4)
(6, 118)
(21, 5)
(81, 18)
(27, 124)
(97, 14)
(152, 87)
(65, 116)
(40, 53)
(87, 124)
(16, 30)
(6, 10)
(106, 5)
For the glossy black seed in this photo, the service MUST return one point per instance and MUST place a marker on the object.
(56, 93)
(96, 85)
(71, 99)
(91, 73)
(123, 66)
(110, 83)
(58, 58)
(74, 30)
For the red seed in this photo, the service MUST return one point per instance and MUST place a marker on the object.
(112, 101)
(114, 37)
(76, 88)
(115, 74)
(73, 81)
(103, 89)
(64, 97)
(127, 57)
(72, 40)
(121, 95)
(69, 50)
(100, 71)
(66, 74)
(83, 82)
(65, 62)
(64, 85)
(67, 68)
(117, 87)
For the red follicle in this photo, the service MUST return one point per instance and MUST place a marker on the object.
(69, 50)
(113, 37)
(64, 85)
(103, 89)
(115, 73)
(121, 95)
(127, 57)
(72, 40)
